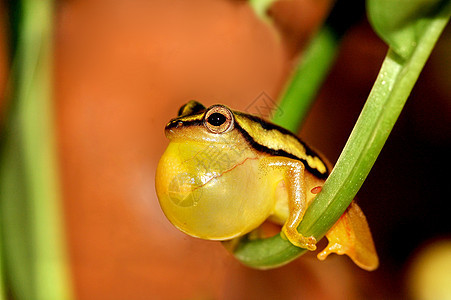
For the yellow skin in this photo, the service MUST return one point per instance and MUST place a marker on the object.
(225, 172)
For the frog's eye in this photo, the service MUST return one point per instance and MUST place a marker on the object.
(218, 119)
(190, 108)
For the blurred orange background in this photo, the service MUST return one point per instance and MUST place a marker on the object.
(123, 69)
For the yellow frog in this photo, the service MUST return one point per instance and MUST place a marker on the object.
(225, 172)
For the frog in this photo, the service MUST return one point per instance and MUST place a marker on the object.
(225, 173)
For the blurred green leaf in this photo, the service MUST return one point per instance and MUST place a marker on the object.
(33, 244)
(400, 23)
(261, 7)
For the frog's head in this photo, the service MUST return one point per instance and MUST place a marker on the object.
(197, 123)
(205, 179)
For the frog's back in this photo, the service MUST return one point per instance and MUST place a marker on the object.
(274, 140)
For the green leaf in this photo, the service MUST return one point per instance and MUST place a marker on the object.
(400, 23)
(33, 244)
(261, 7)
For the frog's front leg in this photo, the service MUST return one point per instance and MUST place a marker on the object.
(292, 172)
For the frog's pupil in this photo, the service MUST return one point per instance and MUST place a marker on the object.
(216, 119)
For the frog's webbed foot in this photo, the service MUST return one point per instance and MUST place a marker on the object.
(297, 239)
(352, 236)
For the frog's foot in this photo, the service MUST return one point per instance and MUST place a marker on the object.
(351, 236)
(297, 239)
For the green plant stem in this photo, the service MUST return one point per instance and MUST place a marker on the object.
(315, 64)
(31, 218)
(307, 79)
(385, 102)
(2, 268)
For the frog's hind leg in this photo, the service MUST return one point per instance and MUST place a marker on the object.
(351, 236)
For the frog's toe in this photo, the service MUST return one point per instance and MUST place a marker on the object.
(297, 239)
(308, 242)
